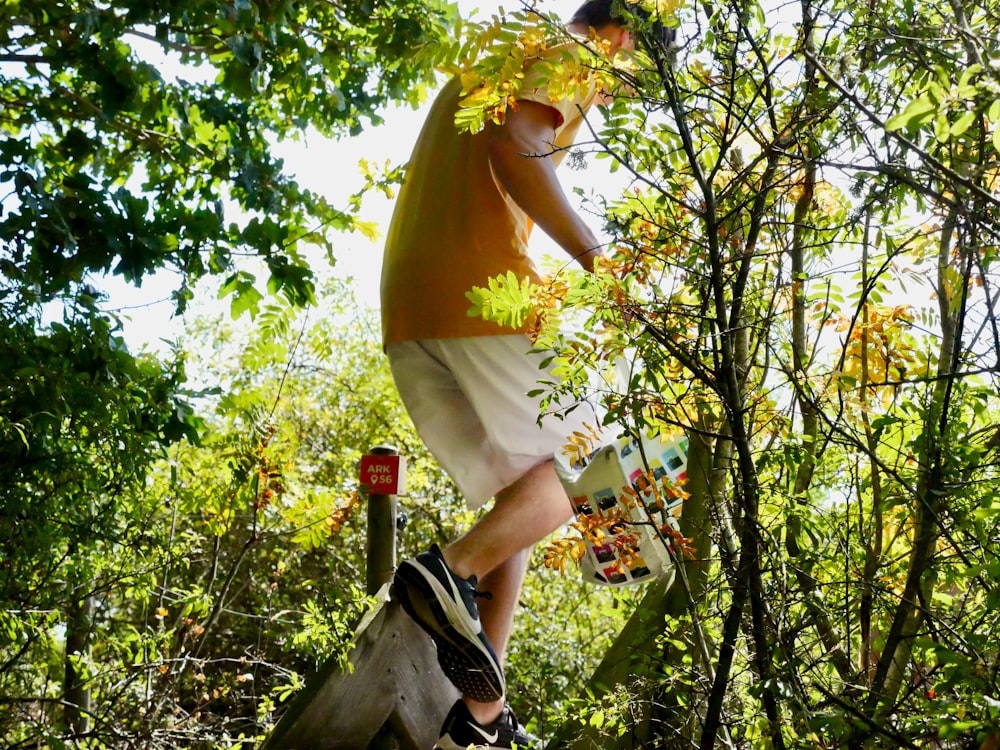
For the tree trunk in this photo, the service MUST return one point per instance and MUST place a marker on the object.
(76, 693)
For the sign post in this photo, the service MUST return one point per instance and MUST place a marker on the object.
(383, 471)
(383, 476)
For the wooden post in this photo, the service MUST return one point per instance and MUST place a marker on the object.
(381, 533)
(381, 562)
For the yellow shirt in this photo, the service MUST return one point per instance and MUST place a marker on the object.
(455, 227)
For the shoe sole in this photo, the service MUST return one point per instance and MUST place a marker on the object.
(448, 744)
(461, 655)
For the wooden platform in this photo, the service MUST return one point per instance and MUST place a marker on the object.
(396, 687)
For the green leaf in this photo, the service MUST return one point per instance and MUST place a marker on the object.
(962, 123)
(245, 297)
(917, 112)
(942, 128)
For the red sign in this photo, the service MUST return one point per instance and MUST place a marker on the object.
(383, 475)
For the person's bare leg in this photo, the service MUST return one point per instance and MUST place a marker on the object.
(504, 585)
(497, 616)
(496, 550)
(522, 515)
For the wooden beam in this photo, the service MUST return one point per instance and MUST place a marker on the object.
(396, 681)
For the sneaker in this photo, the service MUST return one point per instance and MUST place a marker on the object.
(445, 606)
(461, 732)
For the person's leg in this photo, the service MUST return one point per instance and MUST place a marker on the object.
(469, 400)
(496, 550)
(522, 515)
(504, 584)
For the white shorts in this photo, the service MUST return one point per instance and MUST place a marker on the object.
(468, 399)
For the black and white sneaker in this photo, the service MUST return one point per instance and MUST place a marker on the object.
(445, 606)
(461, 731)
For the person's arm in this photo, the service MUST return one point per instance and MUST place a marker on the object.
(518, 152)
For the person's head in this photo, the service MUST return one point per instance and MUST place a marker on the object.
(608, 18)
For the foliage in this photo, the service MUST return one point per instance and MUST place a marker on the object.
(139, 136)
(237, 566)
(83, 423)
(138, 143)
(803, 274)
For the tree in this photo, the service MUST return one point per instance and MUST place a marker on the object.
(137, 142)
(804, 270)
(138, 137)
(83, 420)
(243, 567)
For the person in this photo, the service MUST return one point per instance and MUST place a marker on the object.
(463, 215)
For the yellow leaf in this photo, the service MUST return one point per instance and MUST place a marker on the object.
(661, 9)
(470, 79)
(368, 228)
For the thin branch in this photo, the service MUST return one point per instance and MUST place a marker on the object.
(944, 169)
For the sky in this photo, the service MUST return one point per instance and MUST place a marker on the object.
(331, 168)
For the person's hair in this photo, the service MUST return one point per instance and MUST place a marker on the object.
(599, 13)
